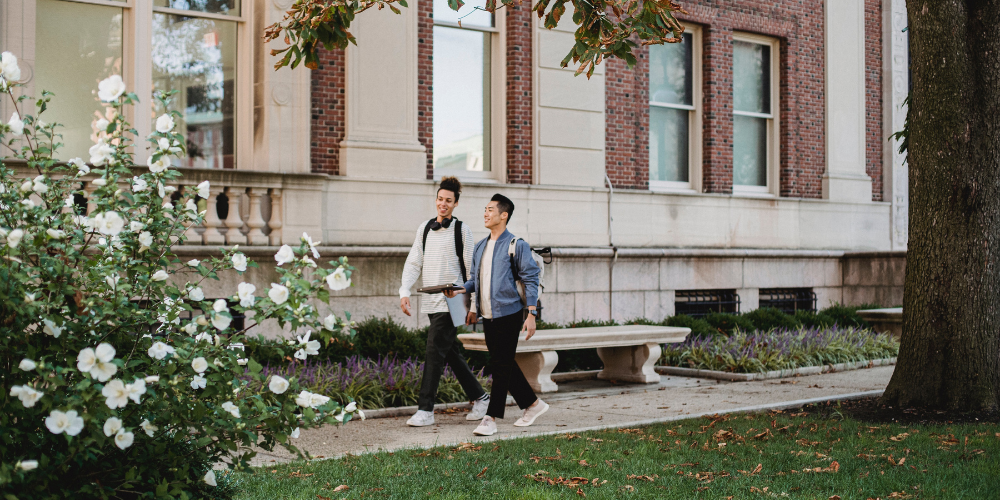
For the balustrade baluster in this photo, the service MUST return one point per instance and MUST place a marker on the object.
(256, 222)
(212, 235)
(276, 221)
(234, 221)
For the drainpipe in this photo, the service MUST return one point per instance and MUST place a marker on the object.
(614, 250)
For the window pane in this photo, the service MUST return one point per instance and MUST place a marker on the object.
(668, 144)
(77, 46)
(749, 151)
(751, 77)
(670, 72)
(461, 99)
(231, 7)
(197, 57)
(468, 14)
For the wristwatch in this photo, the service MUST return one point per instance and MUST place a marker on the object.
(534, 312)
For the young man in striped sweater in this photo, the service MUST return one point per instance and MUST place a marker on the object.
(441, 252)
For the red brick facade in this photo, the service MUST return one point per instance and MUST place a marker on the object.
(425, 81)
(626, 128)
(519, 94)
(875, 136)
(328, 121)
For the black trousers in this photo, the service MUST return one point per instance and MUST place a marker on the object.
(501, 340)
(443, 348)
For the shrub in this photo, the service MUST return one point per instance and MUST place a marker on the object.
(383, 337)
(727, 323)
(699, 327)
(810, 319)
(111, 392)
(848, 315)
(769, 318)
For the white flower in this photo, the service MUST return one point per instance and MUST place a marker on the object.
(160, 275)
(220, 306)
(26, 186)
(105, 352)
(340, 417)
(139, 185)
(231, 408)
(124, 439)
(278, 294)
(317, 400)
(245, 292)
(111, 280)
(199, 364)
(157, 166)
(15, 124)
(27, 465)
(149, 428)
(68, 422)
(284, 255)
(14, 238)
(160, 350)
(204, 336)
(242, 361)
(163, 143)
(86, 360)
(99, 182)
(152, 379)
(102, 124)
(309, 262)
(196, 294)
(164, 123)
(101, 366)
(310, 347)
(191, 206)
(70, 201)
(294, 434)
(29, 298)
(28, 203)
(117, 394)
(191, 328)
(239, 262)
(136, 389)
(27, 365)
(361, 414)
(194, 262)
(9, 69)
(203, 189)
(112, 426)
(28, 395)
(39, 185)
(55, 234)
(146, 240)
(210, 477)
(135, 226)
(103, 371)
(338, 280)
(312, 245)
(80, 165)
(51, 328)
(351, 407)
(221, 322)
(278, 385)
(110, 88)
(100, 153)
(199, 382)
(330, 322)
(303, 399)
(109, 223)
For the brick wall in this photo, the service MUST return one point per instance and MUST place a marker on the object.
(626, 128)
(875, 136)
(328, 96)
(519, 94)
(425, 81)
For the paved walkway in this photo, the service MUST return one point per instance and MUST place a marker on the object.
(585, 405)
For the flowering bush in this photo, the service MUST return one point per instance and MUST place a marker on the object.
(118, 379)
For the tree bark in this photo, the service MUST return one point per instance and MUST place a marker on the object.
(950, 352)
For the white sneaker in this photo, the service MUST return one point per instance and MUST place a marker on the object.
(479, 408)
(421, 419)
(487, 427)
(532, 413)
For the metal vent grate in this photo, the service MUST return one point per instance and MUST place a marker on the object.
(788, 300)
(699, 303)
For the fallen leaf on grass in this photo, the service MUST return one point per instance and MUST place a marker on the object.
(579, 491)
(628, 487)
(482, 472)
(467, 447)
(321, 497)
(900, 437)
(584, 463)
(342, 487)
(643, 478)
(835, 497)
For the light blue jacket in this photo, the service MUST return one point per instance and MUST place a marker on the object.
(504, 299)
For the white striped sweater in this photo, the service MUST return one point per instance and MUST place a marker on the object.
(439, 264)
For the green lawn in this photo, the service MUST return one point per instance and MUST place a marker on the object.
(793, 454)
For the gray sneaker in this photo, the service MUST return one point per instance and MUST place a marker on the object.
(531, 414)
(421, 419)
(487, 427)
(479, 408)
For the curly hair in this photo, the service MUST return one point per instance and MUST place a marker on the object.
(451, 184)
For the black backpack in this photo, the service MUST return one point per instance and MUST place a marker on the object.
(459, 244)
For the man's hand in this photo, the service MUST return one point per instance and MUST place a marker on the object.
(529, 326)
(404, 304)
(470, 319)
(452, 293)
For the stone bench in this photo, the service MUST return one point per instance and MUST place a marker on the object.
(628, 352)
(888, 320)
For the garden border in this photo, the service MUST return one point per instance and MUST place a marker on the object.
(746, 377)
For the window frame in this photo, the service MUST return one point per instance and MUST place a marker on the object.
(695, 111)
(773, 155)
(498, 111)
(137, 68)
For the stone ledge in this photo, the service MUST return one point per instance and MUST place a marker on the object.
(746, 377)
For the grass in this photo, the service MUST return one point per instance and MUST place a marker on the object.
(813, 453)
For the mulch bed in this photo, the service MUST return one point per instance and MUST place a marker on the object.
(872, 410)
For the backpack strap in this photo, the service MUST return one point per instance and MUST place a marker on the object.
(460, 249)
(427, 230)
(512, 252)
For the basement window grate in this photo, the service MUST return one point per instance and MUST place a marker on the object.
(789, 300)
(700, 303)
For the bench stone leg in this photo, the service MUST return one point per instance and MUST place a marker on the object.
(537, 368)
(630, 363)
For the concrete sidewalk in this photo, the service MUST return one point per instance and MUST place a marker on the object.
(586, 405)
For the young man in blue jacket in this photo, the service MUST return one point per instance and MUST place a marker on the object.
(503, 312)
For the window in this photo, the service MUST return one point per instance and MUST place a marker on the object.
(195, 47)
(754, 119)
(674, 114)
(700, 303)
(788, 300)
(466, 57)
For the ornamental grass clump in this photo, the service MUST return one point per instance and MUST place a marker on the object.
(107, 392)
(780, 349)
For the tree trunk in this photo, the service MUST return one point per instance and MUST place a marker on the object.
(950, 352)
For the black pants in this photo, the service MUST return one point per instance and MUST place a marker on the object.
(443, 347)
(501, 340)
